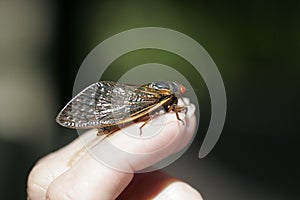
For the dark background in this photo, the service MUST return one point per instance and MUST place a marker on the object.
(255, 45)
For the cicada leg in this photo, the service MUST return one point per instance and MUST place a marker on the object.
(177, 109)
(145, 122)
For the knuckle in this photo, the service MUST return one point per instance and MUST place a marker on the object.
(35, 187)
(56, 191)
(38, 180)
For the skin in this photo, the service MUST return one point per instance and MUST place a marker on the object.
(71, 173)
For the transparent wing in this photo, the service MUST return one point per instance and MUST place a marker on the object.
(105, 103)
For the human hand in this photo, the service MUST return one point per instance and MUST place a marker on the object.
(86, 178)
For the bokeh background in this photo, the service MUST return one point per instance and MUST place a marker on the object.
(255, 44)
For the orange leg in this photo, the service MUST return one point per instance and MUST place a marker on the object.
(177, 109)
(148, 120)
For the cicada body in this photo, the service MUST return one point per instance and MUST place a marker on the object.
(108, 106)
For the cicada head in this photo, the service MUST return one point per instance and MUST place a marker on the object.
(168, 87)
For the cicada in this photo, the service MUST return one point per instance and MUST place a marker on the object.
(108, 106)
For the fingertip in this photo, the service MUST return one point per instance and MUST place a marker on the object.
(159, 186)
(177, 191)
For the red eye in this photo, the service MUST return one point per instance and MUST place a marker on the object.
(182, 89)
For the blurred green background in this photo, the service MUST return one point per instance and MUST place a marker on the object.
(255, 44)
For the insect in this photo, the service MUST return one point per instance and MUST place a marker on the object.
(109, 106)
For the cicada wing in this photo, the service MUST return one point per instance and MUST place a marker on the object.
(104, 103)
(80, 111)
